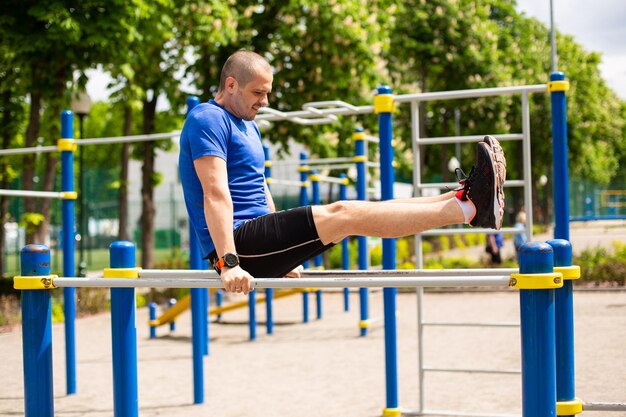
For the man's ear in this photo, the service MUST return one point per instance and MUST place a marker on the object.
(231, 83)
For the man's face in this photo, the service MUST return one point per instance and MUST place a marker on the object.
(249, 98)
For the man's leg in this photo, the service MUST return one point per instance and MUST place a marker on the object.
(382, 219)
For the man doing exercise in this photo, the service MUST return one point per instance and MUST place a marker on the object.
(232, 212)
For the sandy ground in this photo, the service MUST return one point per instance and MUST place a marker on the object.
(324, 368)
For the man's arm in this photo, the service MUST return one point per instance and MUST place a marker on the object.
(218, 212)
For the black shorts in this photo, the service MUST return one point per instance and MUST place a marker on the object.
(272, 245)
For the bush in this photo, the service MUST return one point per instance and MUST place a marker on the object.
(600, 265)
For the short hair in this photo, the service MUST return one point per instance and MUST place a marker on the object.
(243, 65)
(521, 217)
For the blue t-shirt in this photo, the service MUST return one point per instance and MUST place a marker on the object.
(210, 130)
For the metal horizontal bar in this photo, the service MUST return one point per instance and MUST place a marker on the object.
(467, 230)
(134, 138)
(475, 371)
(604, 406)
(299, 116)
(353, 273)
(472, 93)
(449, 324)
(378, 282)
(30, 193)
(331, 180)
(467, 139)
(32, 149)
(285, 182)
(434, 412)
(455, 185)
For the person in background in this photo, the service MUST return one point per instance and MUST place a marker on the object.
(520, 238)
(495, 242)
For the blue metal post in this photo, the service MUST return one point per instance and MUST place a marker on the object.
(560, 191)
(171, 303)
(317, 261)
(199, 321)
(269, 292)
(383, 105)
(152, 309)
(538, 340)
(361, 192)
(564, 325)
(345, 248)
(252, 315)
(304, 201)
(37, 335)
(124, 335)
(219, 300)
(69, 269)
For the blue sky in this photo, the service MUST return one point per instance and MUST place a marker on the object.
(598, 25)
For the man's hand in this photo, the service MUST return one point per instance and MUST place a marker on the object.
(295, 273)
(236, 279)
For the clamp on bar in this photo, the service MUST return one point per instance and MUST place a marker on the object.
(358, 136)
(66, 145)
(69, 195)
(383, 103)
(359, 158)
(303, 168)
(132, 273)
(40, 282)
(558, 86)
(569, 408)
(569, 272)
(536, 281)
(268, 180)
(268, 164)
(314, 177)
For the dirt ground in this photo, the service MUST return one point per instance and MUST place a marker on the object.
(324, 368)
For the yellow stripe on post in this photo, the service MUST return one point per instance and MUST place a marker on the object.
(66, 145)
(536, 281)
(70, 195)
(132, 273)
(303, 168)
(383, 103)
(42, 282)
(558, 86)
(359, 135)
(392, 412)
(569, 408)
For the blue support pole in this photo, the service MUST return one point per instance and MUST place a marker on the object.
(384, 106)
(219, 300)
(199, 321)
(152, 309)
(252, 315)
(345, 248)
(304, 201)
(564, 325)
(361, 191)
(269, 292)
(317, 261)
(170, 303)
(557, 87)
(69, 269)
(124, 335)
(37, 335)
(538, 339)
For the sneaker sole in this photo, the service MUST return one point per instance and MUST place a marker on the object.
(496, 156)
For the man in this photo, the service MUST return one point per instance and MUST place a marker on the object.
(231, 210)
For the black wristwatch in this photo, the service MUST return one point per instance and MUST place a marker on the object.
(230, 260)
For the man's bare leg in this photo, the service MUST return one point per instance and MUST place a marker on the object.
(383, 219)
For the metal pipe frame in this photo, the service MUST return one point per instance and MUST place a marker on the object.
(331, 282)
(36, 194)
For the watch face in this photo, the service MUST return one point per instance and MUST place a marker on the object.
(231, 260)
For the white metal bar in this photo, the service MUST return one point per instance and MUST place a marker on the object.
(331, 180)
(604, 406)
(527, 176)
(451, 324)
(467, 230)
(472, 93)
(285, 182)
(468, 139)
(134, 138)
(30, 193)
(378, 282)
(475, 371)
(453, 185)
(32, 149)
(354, 273)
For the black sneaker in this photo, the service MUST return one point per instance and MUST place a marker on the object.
(483, 186)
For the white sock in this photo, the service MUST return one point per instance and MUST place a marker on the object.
(469, 210)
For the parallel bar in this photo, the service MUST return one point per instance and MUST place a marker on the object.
(467, 230)
(472, 93)
(338, 273)
(455, 185)
(448, 324)
(124, 139)
(33, 149)
(442, 413)
(475, 371)
(467, 139)
(601, 406)
(379, 282)
(36, 194)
